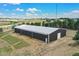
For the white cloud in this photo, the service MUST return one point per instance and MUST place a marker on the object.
(71, 14)
(19, 9)
(32, 15)
(44, 15)
(75, 11)
(32, 10)
(48, 15)
(15, 3)
(28, 14)
(5, 4)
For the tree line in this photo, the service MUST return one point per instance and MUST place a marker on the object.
(59, 23)
(64, 23)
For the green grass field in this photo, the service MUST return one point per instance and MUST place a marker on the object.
(2, 34)
(21, 44)
(5, 50)
(17, 43)
(12, 41)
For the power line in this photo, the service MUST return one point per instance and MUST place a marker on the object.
(56, 10)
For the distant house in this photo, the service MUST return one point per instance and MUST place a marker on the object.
(46, 34)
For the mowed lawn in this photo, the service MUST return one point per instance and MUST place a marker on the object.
(17, 43)
(5, 50)
(2, 34)
(12, 42)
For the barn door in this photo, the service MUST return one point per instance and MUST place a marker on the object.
(46, 40)
(58, 35)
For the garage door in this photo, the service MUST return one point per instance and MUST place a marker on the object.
(58, 35)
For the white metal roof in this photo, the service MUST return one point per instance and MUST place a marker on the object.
(37, 29)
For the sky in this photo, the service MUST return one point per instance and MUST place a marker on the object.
(39, 10)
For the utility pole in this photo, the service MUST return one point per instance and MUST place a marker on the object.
(56, 11)
(56, 14)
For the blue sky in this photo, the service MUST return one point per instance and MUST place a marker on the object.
(36, 10)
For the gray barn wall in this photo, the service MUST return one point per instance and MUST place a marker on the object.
(53, 36)
(39, 36)
(17, 30)
(31, 34)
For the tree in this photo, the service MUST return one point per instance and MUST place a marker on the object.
(13, 22)
(43, 23)
(37, 24)
(77, 24)
(23, 22)
(76, 38)
(54, 24)
(60, 23)
(71, 24)
(48, 22)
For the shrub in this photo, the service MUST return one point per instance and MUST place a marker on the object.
(76, 38)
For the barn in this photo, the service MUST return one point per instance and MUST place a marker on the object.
(46, 34)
